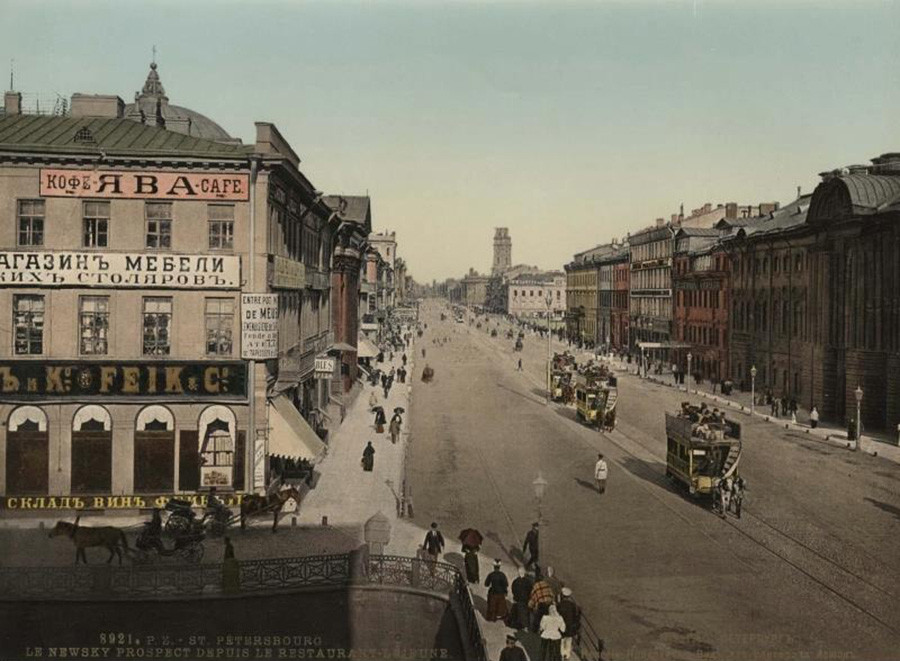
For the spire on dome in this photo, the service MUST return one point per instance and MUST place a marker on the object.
(152, 86)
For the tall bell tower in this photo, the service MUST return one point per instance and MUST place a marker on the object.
(502, 250)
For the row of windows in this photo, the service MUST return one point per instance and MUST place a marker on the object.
(652, 250)
(94, 325)
(700, 298)
(530, 293)
(704, 335)
(97, 221)
(762, 265)
(655, 278)
(756, 317)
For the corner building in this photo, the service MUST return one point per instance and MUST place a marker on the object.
(123, 256)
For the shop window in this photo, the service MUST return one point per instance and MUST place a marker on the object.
(95, 225)
(31, 223)
(91, 451)
(219, 326)
(154, 450)
(27, 452)
(157, 326)
(221, 227)
(217, 447)
(28, 318)
(94, 325)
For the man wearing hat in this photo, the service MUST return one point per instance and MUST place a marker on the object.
(601, 472)
(497, 585)
(531, 544)
(512, 652)
(571, 615)
(433, 544)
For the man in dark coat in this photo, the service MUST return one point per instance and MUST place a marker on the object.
(521, 592)
(433, 544)
(571, 615)
(497, 585)
(531, 545)
(512, 652)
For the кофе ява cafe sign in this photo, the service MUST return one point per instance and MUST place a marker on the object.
(112, 184)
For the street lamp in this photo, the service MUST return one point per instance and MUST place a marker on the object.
(549, 300)
(752, 390)
(859, 395)
(690, 357)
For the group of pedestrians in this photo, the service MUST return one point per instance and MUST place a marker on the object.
(728, 496)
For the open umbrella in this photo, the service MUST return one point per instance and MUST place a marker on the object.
(399, 409)
(471, 538)
(377, 409)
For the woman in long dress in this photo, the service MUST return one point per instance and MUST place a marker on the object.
(379, 421)
(368, 458)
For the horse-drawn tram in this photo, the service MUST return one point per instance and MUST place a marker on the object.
(702, 448)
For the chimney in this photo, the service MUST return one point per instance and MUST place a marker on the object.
(731, 210)
(660, 222)
(766, 208)
(108, 106)
(707, 208)
(12, 103)
(674, 218)
(798, 192)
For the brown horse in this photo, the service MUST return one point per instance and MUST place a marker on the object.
(253, 504)
(107, 536)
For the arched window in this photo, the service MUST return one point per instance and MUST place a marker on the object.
(217, 447)
(91, 450)
(154, 450)
(27, 452)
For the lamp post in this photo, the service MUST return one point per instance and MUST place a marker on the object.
(752, 390)
(540, 486)
(690, 357)
(549, 300)
(859, 395)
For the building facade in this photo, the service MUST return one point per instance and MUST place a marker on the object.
(650, 297)
(702, 304)
(528, 294)
(123, 265)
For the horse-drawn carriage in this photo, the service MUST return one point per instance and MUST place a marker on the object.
(182, 519)
(188, 544)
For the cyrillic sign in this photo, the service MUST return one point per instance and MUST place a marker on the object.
(114, 184)
(147, 271)
(288, 274)
(171, 379)
(125, 502)
(259, 326)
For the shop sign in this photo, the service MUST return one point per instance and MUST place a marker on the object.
(124, 184)
(169, 379)
(259, 326)
(288, 273)
(89, 269)
(125, 502)
(325, 366)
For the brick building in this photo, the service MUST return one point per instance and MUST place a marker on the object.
(701, 300)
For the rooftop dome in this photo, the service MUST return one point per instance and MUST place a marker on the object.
(151, 106)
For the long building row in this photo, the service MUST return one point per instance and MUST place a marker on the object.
(807, 293)
(181, 311)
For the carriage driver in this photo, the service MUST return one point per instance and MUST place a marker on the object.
(215, 508)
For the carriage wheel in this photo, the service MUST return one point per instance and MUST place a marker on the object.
(176, 525)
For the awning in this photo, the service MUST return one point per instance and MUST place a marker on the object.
(341, 346)
(365, 348)
(290, 436)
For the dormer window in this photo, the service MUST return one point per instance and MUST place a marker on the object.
(84, 136)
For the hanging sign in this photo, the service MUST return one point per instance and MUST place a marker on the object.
(259, 326)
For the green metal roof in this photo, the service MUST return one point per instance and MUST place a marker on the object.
(115, 137)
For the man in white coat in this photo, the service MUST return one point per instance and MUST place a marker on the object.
(601, 472)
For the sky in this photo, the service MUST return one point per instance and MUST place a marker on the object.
(570, 123)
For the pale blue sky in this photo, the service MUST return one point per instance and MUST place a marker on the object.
(568, 122)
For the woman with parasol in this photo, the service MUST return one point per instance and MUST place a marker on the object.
(471, 541)
(379, 419)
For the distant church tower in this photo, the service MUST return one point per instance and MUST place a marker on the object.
(502, 250)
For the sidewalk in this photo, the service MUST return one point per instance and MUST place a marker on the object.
(876, 443)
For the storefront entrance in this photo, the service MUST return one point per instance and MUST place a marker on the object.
(91, 451)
